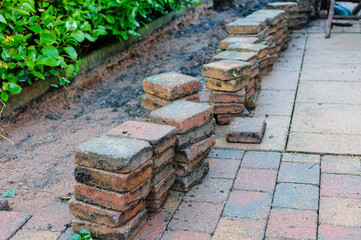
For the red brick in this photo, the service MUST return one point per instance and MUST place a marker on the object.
(111, 200)
(128, 231)
(103, 216)
(342, 165)
(256, 180)
(185, 235)
(55, 215)
(343, 186)
(162, 172)
(329, 232)
(286, 6)
(114, 181)
(171, 85)
(264, 62)
(260, 49)
(255, 71)
(197, 217)
(239, 39)
(163, 158)
(11, 222)
(185, 169)
(195, 150)
(226, 69)
(223, 168)
(155, 226)
(183, 115)
(158, 190)
(156, 205)
(196, 135)
(228, 97)
(246, 130)
(223, 119)
(225, 108)
(227, 86)
(242, 26)
(121, 155)
(160, 137)
(261, 160)
(238, 56)
(292, 224)
(151, 102)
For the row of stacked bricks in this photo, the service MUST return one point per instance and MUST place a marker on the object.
(195, 139)
(165, 88)
(121, 175)
(298, 17)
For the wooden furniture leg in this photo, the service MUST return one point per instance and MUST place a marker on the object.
(329, 20)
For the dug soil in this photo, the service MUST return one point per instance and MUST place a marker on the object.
(40, 163)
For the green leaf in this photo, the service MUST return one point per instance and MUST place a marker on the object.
(18, 10)
(14, 88)
(2, 19)
(78, 35)
(234, 73)
(71, 52)
(50, 52)
(36, 28)
(84, 232)
(90, 38)
(75, 237)
(51, 62)
(4, 96)
(28, 7)
(47, 37)
(37, 74)
(10, 193)
(69, 71)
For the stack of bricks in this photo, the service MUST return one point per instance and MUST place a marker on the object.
(165, 88)
(195, 139)
(162, 138)
(305, 10)
(113, 177)
(228, 80)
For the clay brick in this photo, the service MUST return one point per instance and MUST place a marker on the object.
(227, 86)
(264, 62)
(225, 108)
(226, 154)
(239, 39)
(121, 155)
(111, 200)
(241, 26)
(103, 216)
(292, 224)
(196, 135)
(254, 71)
(286, 6)
(186, 169)
(341, 165)
(171, 85)
(224, 119)
(180, 235)
(158, 190)
(195, 150)
(128, 231)
(36, 234)
(343, 186)
(161, 172)
(260, 35)
(273, 59)
(329, 232)
(306, 173)
(184, 184)
(261, 160)
(4, 204)
(163, 158)
(114, 181)
(156, 205)
(227, 69)
(262, 180)
(247, 130)
(238, 56)
(183, 115)
(160, 137)
(152, 102)
(228, 97)
(261, 50)
(155, 226)
(11, 222)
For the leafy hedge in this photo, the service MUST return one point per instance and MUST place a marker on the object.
(41, 38)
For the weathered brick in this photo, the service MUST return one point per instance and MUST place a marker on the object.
(261, 160)
(242, 26)
(228, 97)
(198, 217)
(186, 169)
(183, 115)
(299, 173)
(226, 154)
(246, 204)
(121, 155)
(101, 215)
(227, 86)
(11, 222)
(286, 6)
(341, 165)
(225, 108)
(226, 69)
(260, 35)
(156, 205)
(344, 186)
(223, 168)
(161, 173)
(302, 158)
(238, 56)
(4, 204)
(128, 231)
(223, 119)
(173, 200)
(163, 157)
(171, 85)
(195, 150)
(329, 232)
(158, 190)
(160, 137)
(255, 71)
(298, 196)
(36, 234)
(114, 181)
(292, 224)
(152, 102)
(195, 135)
(262, 180)
(273, 16)
(239, 228)
(261, 50)
(155, 226)
(182, 235)
(247, 130)
(239, 39)
(264, 62)
(111, 200)
(184, 184)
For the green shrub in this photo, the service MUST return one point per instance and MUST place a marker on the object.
(39, 39)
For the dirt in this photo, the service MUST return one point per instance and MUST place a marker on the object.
(40, 163)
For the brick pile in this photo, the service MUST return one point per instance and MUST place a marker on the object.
(195, 139)
(162, 138)
(228, 80)
(165, 88)
(305, 10)
(113, 177)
